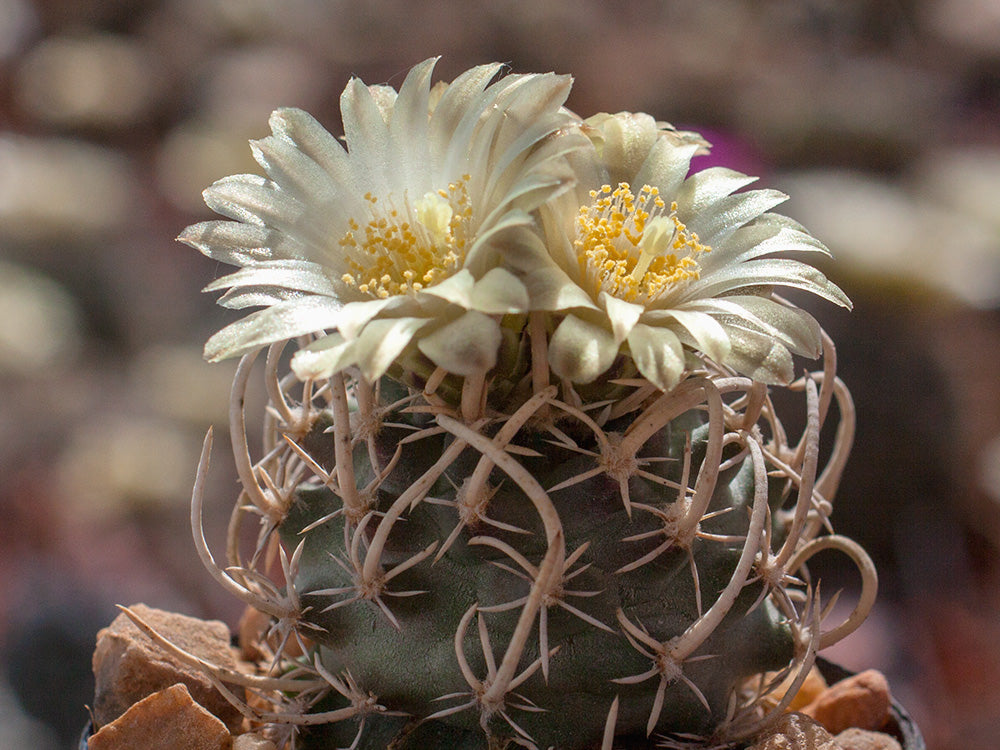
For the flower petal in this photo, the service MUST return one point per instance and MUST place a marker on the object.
(253, 200)
(465, 346)
(732, 212)
(500, 241)
(324, 357)
(499, 292)
(240, 244)
(549, 288)
(316, 142)
(767, 235)
(766, 272)
(759, 356)
(255, 296)
(658, 354)
(456, 289)
(624, 141)
(381, 341)
(356, 315)
(580, 350)
(282, 321)
(666, 165)
(705, 333)
(366, 134)
(293, 171)
(622, 315)
(408, 125)
(702, 190)
(793, 327)
(457, 113)
(295, 275)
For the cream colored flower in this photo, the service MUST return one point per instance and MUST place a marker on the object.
(643, 260)
(394, 242)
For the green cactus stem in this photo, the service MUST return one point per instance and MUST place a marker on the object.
(565, 574)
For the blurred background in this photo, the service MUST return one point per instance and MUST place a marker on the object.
(880, 117)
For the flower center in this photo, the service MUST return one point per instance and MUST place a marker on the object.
(403, 249)
(633, 248)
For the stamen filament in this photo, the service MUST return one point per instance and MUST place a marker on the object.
(403, 249)
(625, 244)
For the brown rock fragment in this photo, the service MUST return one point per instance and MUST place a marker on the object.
(166, 720)
(862, 701)
(811, 687)
(796, 731)
(864, 739)
(128, 666)
(252, 741)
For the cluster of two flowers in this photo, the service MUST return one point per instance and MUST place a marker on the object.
(457, 210)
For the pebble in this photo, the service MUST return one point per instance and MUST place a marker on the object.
(241, 87)
(864, 739)
(893, 240)
(128, 666)
(962, 179)
(197, 153)
(119, 464)
(187, 388)
(861, 701)
(91, 80)
(252, 741)
(810, 689)
(39, 322)
(55, 189)
(165, 720)
(796, 731)
(18, 22)
(972, 25)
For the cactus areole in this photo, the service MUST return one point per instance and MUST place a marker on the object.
(522, 482)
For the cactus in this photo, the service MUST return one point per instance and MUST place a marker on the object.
(532, 502)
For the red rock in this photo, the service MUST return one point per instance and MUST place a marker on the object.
(128, 666)
(166, 720)
(810, 689)
(862, 701)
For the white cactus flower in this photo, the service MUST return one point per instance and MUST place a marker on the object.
(393, 242)
(643, 260)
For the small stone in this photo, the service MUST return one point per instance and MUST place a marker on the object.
(796, 731)
(18, 24)
(121, 463)
(810, 689)
(55, 190)
(166, 720)
(864, 739)
(252, 741)
(128, 666)
(39, 322)
(861, 701)
(88, 80)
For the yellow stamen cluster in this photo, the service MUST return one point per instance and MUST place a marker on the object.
(403, 250)
(624, 244)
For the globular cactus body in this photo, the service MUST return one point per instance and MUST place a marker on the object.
(401, 594)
